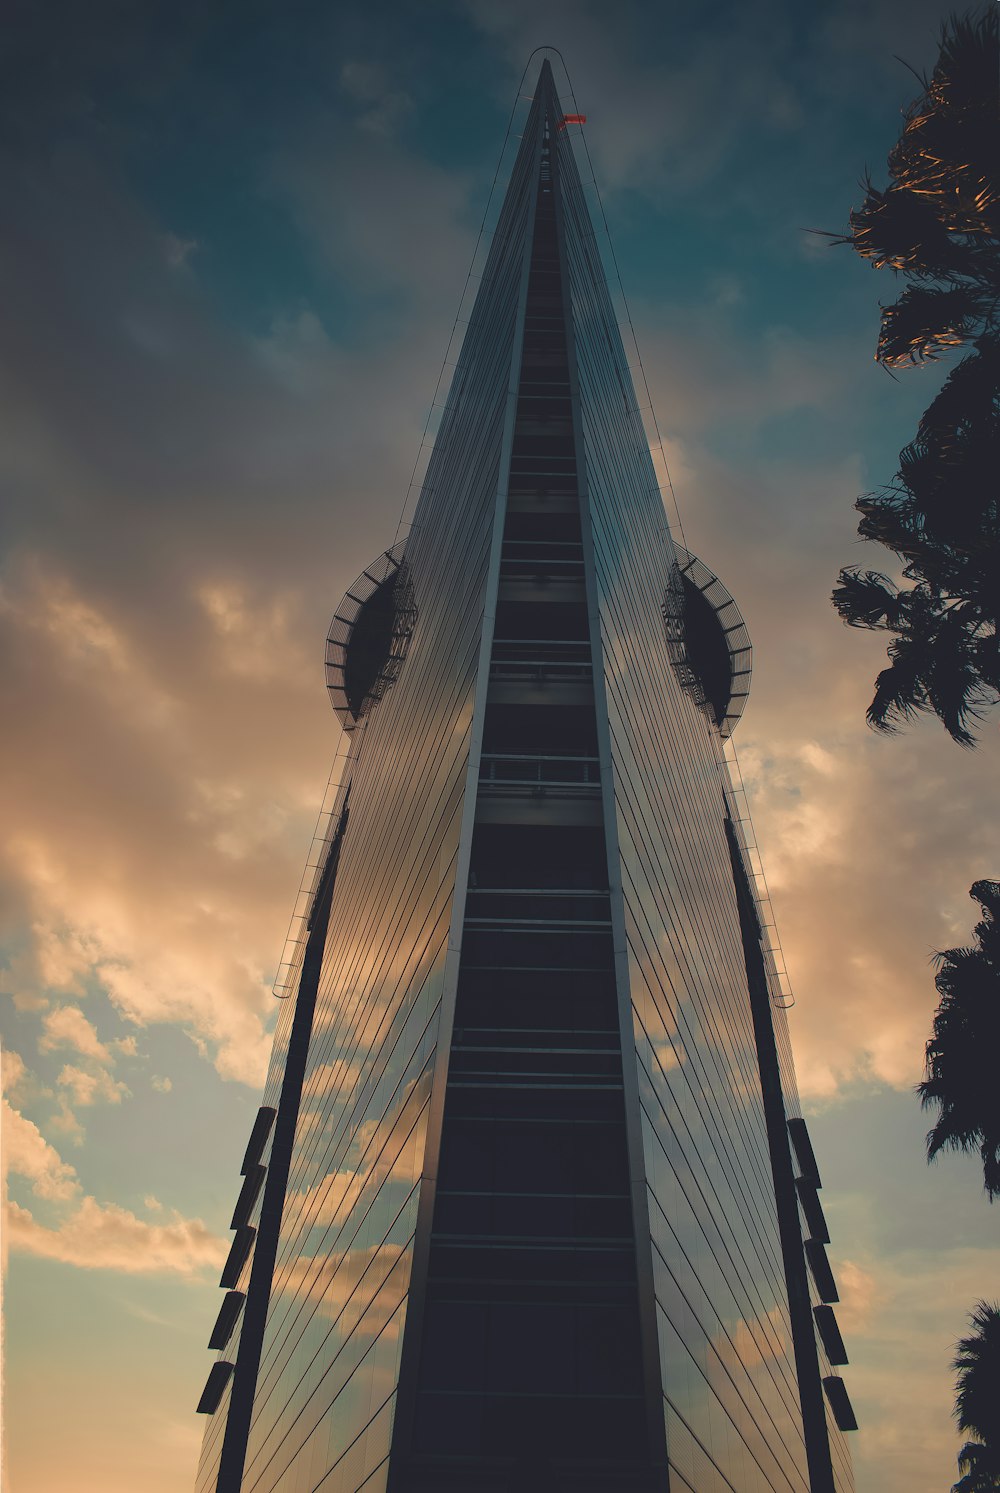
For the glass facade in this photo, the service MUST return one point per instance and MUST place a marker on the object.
(528, 1215)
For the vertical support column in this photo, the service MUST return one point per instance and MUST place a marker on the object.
(789, 1229)
(234, 1446)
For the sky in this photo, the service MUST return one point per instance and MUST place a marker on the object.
(234, 241)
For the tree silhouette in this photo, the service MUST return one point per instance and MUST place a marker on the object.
(937, 224)
(977, 1401)
(961, 1055)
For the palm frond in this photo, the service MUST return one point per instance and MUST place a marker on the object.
(897, 229)
(987, 894)
(977, 1370)
(946, 152)
(937, 223)
(954, 691)
(987, 650)
(981, 1468)
(969, 395)
(888, 519)
(900, 691)
(926, 322)
(960, 1056)
(866, 598)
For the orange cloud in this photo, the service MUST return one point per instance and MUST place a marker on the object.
(92, 1088)
(67, 1026)
(97, 1237)
(28, 1153)
(859, 1298)
(12, 1071)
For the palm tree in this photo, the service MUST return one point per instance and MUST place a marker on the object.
(977, 1401)
(962, 1054)
(937, 224)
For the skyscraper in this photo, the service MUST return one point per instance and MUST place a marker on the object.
(529, 1203)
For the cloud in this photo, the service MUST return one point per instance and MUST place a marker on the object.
(27, 1153)
(161, 1085)
(663, 112)
(13, 1072)
(153, 849)
(96, 1237)
(66, 1026)
(190, 960)
(858, 1298)
(92, 1088)
(869, 844)
(703, 374)
(841, 843)
(257, 635)
(412, 276)
(676, 108)
(178, 251)
(382, 107)
(901, 1349)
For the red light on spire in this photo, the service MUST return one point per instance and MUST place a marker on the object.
(571, 119)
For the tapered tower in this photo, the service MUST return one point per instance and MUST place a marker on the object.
(529, 1204)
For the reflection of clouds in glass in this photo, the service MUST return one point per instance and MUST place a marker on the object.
(669, 1053)
(328, 1203)
(359, 1291)
(331, 1082)
(753, 1342)
(655, 1023)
